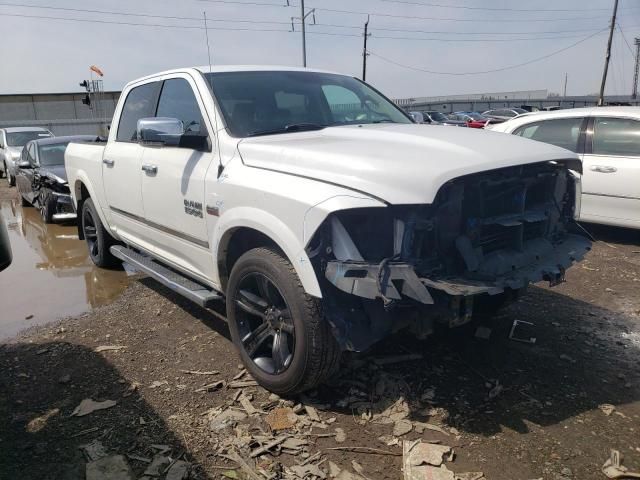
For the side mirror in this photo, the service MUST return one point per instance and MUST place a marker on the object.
(169, 132)
(160, 131)
(23, 164)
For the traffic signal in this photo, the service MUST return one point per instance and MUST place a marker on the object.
(85, 84)
(86, 101)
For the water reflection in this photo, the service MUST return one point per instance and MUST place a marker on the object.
(51, 275)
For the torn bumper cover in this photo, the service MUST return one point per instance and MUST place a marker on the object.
(538, 260)
(63, 206)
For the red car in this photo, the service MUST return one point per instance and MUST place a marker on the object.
(473, 119)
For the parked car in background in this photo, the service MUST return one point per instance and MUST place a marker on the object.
(12, 140)
(417, 117)
(41, 178)
(472, 119)
(503, 113)
(439, 118)
(607, 139)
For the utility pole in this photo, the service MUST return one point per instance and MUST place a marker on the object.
(634, 93)
(364, 50)
(303, 20)
(206, 32)
(608, 56)
(564, 91)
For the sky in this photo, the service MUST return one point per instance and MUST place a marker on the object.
(45, 55)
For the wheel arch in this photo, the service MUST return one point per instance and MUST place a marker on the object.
(81, 192)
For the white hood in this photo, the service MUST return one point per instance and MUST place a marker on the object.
(401, 164)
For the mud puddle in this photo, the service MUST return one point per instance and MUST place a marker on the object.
(51, 276)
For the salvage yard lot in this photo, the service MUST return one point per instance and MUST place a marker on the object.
(508, 409)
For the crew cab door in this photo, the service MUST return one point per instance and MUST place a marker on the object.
(173, 182)
(121, 165)
(611, 179)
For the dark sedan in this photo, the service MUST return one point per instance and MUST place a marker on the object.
(42, 180)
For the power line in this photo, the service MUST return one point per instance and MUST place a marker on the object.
(624, 37)
(191, 27)
(502, 69)
(406, 17)
(497, 9)
(132, 14)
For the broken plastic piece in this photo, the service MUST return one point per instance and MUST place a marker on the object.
(524, 339)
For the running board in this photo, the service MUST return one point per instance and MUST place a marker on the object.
(177, 282)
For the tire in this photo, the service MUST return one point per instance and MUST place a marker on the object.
(47, 209)
(267, 306)
(98, 239)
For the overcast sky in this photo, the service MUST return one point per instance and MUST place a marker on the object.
(45, 55)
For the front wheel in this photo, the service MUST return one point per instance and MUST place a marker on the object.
(48, 208)
(11, 180)
(279, 330)
(98, 239)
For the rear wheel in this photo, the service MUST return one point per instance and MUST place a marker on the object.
(98, 239)
(279, 330)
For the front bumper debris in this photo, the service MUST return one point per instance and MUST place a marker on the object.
(538, 260)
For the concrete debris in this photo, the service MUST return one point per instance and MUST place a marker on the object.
(158, 383)
(312, 412)
(281, 418)
(387, 360)
(38, 423)
(94, 450)
(340, 436)
(420, 427)
(269, 445)
(219, 420)
(88, 406)
(211, 387)
(178, 471)
(109, 348)
(389, 440)
(158, 466)
(607, 408)
(357, 467)
(399, 410)
(426, 453)
(483, 333)
(613, 467)
(307, 471)
(243, 384)
(402, 427)
(114, 467)
(334, 470)
(294, 443)
(246, 404)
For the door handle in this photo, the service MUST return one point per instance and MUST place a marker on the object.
(603, 169)
(107, 162)
(150, 168)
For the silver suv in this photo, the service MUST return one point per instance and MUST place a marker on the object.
(12, 139)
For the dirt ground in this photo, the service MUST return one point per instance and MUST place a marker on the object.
(512, 410)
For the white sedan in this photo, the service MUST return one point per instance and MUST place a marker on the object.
(607, 139)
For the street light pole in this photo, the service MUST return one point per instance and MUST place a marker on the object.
(304, 34)
(608, 56)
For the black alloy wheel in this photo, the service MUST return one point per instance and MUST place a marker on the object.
(264, 322)
(90, 232)
(97, 237)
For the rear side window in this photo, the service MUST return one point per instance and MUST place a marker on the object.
(177, 100)
(140, 103)
(616, 136)
(562, 132)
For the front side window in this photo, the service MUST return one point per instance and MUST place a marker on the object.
(52, 154)
(177, 100)
(616, 137)
(20, 139)
(260, 103)
(562, 132)
(31, 154)
(140, 103)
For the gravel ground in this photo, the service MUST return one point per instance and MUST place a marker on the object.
(509, 409)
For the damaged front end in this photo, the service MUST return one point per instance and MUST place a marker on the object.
(53, 197)
(485, 237)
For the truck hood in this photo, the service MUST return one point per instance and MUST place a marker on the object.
(400, 164)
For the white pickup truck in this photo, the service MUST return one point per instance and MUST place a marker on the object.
(318, 210)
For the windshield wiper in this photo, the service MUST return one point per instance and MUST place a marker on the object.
(292, 127)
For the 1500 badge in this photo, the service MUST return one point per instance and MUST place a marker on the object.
(193, 208)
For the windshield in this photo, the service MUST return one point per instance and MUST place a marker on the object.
(52, 154)
(260, 103)
(438, 117)
(20, 139)
(519, 111)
